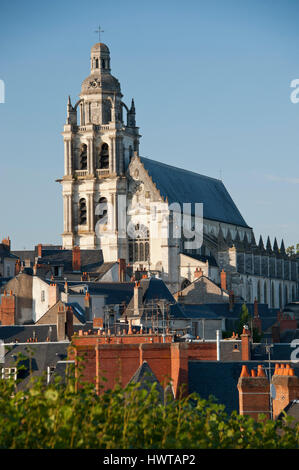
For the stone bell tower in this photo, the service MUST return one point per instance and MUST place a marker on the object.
(98, 146)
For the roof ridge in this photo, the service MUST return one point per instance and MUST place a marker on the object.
(181, 169)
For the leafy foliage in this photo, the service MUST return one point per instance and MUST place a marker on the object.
(65, 415)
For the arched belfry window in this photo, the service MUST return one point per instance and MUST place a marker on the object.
(97, 63)
(104, 157)
(83, 157)
(82, 212)
(101, 212)
(103, 64)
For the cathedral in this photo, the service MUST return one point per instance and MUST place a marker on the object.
(128, 206)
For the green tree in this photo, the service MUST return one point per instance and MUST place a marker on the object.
(243, 319)
(290, 250)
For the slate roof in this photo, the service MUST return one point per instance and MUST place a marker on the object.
(217, 310)
(43, 355)
(218, 379)
(292, 409)
(5, 253)
(116, 292)
(279, 352)
(91, 260)
(194, 311)
(146, 377)
(22, 333)
(178, 185)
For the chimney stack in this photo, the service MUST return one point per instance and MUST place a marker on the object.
(137, 298)
(53, 294)
(254, 393)
(286, 386)
(231, 300)
(76, 258)
(122, 270)
(39, 250)
(223, 280)
(8, 309)
(198, 273)
(6, 243)
(87, 305)
(257, 322)
(18, 267)
(245, 338)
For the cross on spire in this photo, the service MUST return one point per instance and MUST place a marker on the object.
(99, 31)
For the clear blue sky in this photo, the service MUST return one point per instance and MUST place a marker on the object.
(211, 82)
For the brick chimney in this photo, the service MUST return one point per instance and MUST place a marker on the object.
(39, 250)
(286, 386)
(246, 339)
(98, 322)
(76, 258)
(254, 393)
(65, 327)
(231, 300)
(8, 309)
(138, 294)
(6, 243)
(198, 273)
(257, 322)
(122, 270)
(179, 368)
(53, 294)
(87, 306)
(69, 327)
(18, 267)
(223, 280)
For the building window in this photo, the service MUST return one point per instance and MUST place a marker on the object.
(8, 271)
(102, 211)
(265, 293)
(104, 157)
(82, 212)
(139, 246)
(83, 157)
(42, 296)
(259, 292)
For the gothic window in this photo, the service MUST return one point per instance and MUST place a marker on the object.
(104, 157)
(97, 63)
(103, 64)
(82, 212)
(139, 246)
(83, 157)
